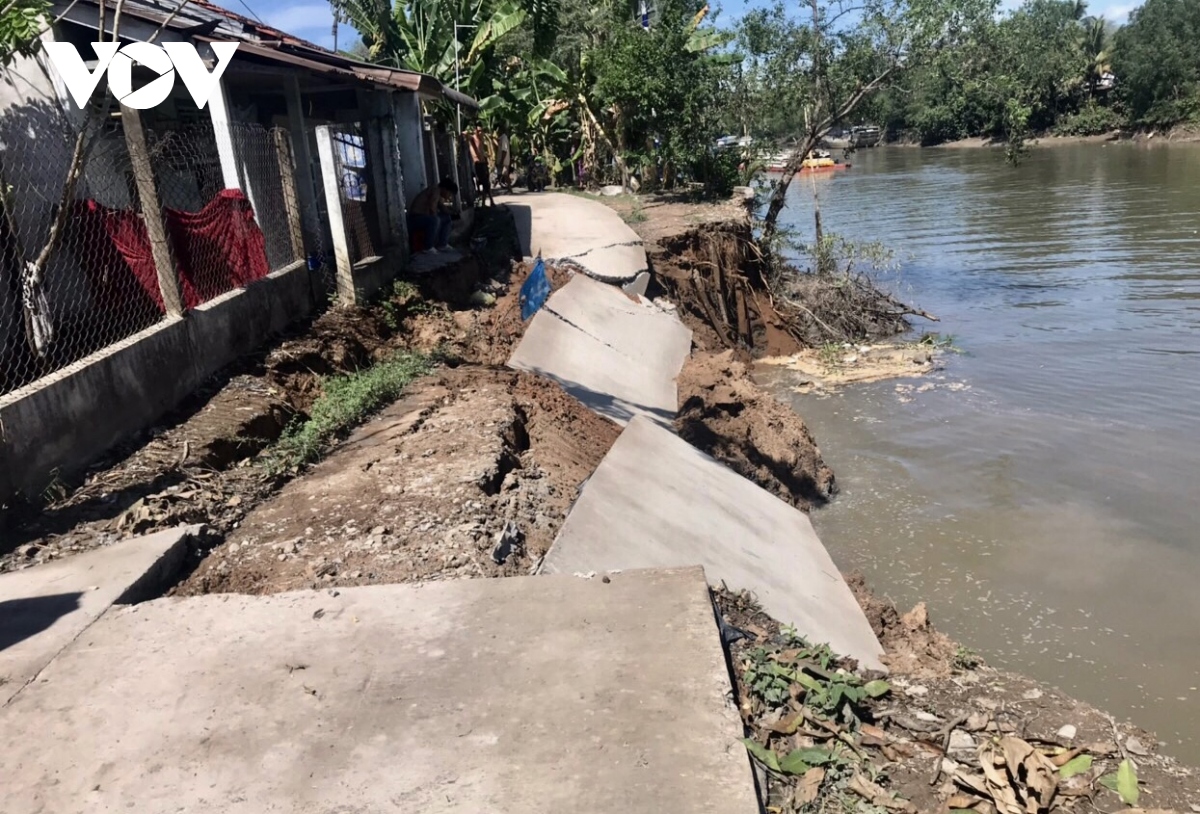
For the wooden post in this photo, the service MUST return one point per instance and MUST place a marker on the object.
(156, 227)
(291, 201)
(332, 182)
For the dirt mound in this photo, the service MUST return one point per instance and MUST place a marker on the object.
(714, 275)
(724, 413)
(485, 336)
(913, 647)
(471, 474)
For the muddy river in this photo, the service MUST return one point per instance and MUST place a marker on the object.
(1044, 496)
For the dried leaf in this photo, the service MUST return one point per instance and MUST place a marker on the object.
(877, 795)
(1063, 757)
(871, 731)
(764, 755)
(1127, 783)
(962, 801)
(1074, 766)
(972, 782)
(788, 725)
(1019, 778)
(810, 786)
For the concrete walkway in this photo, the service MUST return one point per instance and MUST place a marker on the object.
(527, 694)
(572, 227)
(656, 501)
(45, 608)
(618, 357)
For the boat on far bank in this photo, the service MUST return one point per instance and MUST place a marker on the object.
(817, 161)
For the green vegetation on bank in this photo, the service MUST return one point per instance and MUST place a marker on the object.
(1050, 67)
(344, 403)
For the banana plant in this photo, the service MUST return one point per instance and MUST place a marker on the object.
(430, 36)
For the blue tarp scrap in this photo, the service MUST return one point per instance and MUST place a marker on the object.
(535, 290)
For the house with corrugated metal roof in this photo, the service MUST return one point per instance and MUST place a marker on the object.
(205, 225)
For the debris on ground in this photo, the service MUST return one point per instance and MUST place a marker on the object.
(836, 365)
(827, 737)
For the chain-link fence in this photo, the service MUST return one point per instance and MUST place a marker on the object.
(77, 272)
(358, 198)
(65, 289)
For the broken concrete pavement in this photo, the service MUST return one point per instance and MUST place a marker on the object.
(656, 501)
(533, 694)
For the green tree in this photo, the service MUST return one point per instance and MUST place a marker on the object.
(447, 39)
(1096, 53)
(828, 62)
(21, 25)
(1156, 58)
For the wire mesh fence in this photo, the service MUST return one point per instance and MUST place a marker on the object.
(77, 270)
(358, 198)
(65, 289)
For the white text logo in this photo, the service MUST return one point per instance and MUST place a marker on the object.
(119, 62)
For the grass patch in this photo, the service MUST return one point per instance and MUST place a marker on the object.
(966, 659)
(635, 215)
(345, 402)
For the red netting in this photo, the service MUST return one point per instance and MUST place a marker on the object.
(223, 231)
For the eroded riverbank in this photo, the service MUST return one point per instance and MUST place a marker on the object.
(471, 448)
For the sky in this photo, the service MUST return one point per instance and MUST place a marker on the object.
(307, 20)
(314, 21)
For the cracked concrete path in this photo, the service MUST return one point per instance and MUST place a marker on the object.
(619, 357)
(678, 506)
(584, 232)
(527, 694)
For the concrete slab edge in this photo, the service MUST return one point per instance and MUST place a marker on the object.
(165, 571)
(161, 574)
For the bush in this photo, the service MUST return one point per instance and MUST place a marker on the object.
(1091, 120)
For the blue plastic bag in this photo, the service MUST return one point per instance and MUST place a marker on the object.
(535, 290)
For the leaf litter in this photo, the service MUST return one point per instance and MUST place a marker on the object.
(826, 736)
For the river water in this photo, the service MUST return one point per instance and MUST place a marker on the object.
(1044, 496)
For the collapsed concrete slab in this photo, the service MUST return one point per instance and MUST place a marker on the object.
(45, 608)
(618, 357)
(588, 233)
(656, 501)
(527, 694)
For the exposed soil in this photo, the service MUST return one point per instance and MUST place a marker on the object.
(723, 412)
(424, 491)
(472, 472)
(715, 277)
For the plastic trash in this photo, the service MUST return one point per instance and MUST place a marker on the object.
(535, 290)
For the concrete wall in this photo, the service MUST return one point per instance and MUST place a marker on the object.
(69, 419)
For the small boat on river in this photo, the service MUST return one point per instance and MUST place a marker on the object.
(817, 161)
